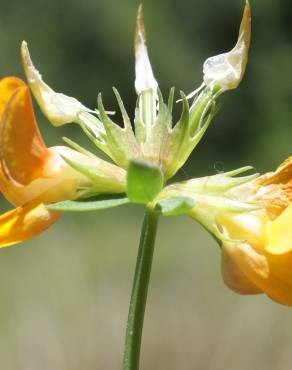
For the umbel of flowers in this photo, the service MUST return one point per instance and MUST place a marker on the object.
(248, 215)
(143, 155)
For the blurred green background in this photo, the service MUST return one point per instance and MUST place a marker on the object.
(64, 295)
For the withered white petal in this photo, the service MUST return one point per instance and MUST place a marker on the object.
(144, 75)
(226, 70)
(57, 107)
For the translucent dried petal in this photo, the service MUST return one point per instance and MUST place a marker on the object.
(144, 74)
(57, 107)
(226, 70)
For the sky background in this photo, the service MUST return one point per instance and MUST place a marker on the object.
(64, 295)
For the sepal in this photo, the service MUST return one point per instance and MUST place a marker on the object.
(175, 205)
(188, 131)
(95, 203)
(120, 142)
(205, 198)
(106, 177)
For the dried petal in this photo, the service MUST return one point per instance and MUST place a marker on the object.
(144, 75)
(226, 70)
(57, 107)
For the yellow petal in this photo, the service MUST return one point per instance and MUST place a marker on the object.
(226, 70)
(8, 86)
(24, 223)
(57, 107)
(279, 284)
(279, 233)
(249, 227)
(22, 150)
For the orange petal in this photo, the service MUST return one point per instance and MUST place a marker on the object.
(281, 176)
(59, 182)
(25, 222)
(269, 272)
(8, 86)
(232, 274)
(22, 150)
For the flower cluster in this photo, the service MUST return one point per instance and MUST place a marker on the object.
(248, 215)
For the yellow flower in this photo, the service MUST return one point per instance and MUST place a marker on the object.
(262, 262)
(32, 175)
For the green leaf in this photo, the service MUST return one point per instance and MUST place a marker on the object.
(96, 203)
(145, 181)
(175, 205)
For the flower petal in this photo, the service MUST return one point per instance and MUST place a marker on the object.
(279, 285)
(8, 86)
(144, 74)
(232, 274)
(57, 107)
(22, 150)
(28, 168)
(25, 222)
(60, 182)
(226, 70)
(245, 226)
(271, 273)
(282, 175)
(279, 233)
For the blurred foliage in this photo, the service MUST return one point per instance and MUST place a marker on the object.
(64, 295)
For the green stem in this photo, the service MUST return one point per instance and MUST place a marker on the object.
(139, 291)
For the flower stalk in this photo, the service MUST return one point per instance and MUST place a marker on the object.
(139, 291)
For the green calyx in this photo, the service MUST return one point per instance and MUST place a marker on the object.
(205, 198)
(152, 137)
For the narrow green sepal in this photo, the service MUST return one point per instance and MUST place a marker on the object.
(86, 170)
(77, 147)
(106, 177)
(199, 110)
(126, 118)
(238, 171)
(121, 142)
(144, 181)
(164, 119)
(174, 206)
(96, 203)
(170, 99)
